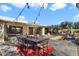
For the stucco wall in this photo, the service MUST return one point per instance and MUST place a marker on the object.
(1, 31)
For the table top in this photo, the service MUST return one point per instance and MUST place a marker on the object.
(32, 38)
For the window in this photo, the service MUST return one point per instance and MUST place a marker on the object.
(15, 30)
(0, 26)
(31, 30)
(46, 30)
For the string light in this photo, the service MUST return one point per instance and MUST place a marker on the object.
(23, 10)
(39, 13)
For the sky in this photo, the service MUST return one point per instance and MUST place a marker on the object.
(51, 14)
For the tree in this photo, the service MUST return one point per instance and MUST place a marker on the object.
(55, 28)
(66, 25)
(76, 25)
(77, 5)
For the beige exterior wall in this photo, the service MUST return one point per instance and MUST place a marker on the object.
(25, 30)
(43, 31)
(25, 27)
(2, 32)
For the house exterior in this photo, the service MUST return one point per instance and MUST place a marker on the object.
(12, 28)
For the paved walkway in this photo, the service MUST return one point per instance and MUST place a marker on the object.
(64, 48)
(56, 37)
(78, 50)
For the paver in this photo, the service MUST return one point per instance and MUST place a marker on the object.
(64, 48)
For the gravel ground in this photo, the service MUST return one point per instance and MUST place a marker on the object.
(7, 49)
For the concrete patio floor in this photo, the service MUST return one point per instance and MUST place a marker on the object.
(64, 48)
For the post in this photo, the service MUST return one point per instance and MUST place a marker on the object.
(43, 31)
(2, 32)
